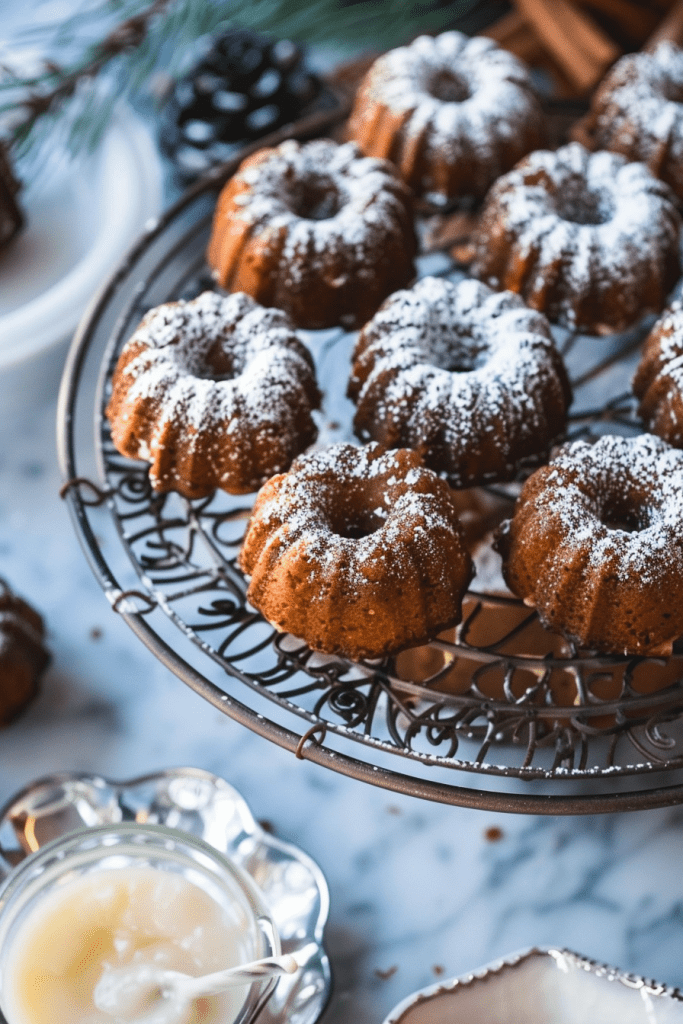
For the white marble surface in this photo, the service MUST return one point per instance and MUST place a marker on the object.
(417, 889)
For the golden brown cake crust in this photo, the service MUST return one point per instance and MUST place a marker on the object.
(452, 112)
(638, 111)
(596, 545)
(215, 392)
(357, 551)
(22, 653)
(317, 230)
(469, 377)
(587, 238)
(658, 381)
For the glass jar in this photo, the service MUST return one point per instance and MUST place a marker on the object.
(126, 894)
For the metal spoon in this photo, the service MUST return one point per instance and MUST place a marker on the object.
(163, 996)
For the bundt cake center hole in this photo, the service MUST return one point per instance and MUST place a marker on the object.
(448, 87)
(357, 524)
(617, 515)
(316, 198)
(456, 354)
(218, 365)
(581, 205)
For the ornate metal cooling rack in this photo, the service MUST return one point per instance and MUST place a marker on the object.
(499, 714)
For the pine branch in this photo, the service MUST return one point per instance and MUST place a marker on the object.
(127, 35)
(142, 37)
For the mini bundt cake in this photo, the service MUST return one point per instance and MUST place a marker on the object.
(357, 551)
(658, 382)
(469, 377)
(22, 653)
(638, 111)
(215, 392)
(317, 230)
(596, 545)
(588, 238)
(452, 112)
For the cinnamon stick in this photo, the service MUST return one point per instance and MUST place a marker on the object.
(670, 28)
(507, 27)
(515, 34)
(577, 44)
(636, 22)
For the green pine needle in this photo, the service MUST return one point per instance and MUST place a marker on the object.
(96, 74)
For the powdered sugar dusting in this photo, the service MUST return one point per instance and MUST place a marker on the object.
(264, 356)
(360, 192)
(638, 110)
(216, 369)
(642, 473)
(455, 102)
(463, 373)
(350, 506)
(576, 232)
(496, 90)
(596, 544)
(659, 378)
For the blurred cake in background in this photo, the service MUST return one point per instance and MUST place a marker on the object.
(11, 217)
(23, 656)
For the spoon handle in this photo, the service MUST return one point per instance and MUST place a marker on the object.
(210, 984)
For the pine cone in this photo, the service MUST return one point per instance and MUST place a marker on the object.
(244, 87)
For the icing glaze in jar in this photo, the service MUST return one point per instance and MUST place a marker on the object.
(126, 895)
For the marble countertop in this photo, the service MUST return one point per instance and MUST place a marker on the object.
(419, 891)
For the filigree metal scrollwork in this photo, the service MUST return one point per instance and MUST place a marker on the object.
(498, 695)
(186, 552)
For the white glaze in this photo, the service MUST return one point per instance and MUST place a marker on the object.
(139, 916)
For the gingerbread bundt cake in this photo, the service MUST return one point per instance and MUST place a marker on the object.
(215, 392)
(357, 551)
(638, 111)
(469, 377)
(658, 381)
(317, 230)
(596, 545)
(22, 653)
(452, 112)
(588, 238)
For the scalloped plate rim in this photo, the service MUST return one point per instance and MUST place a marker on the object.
(254, 830)
(509, 962)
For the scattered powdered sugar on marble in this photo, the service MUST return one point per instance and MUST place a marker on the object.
(604, 222)
(358, 198)
(641, 475)
(496, 96)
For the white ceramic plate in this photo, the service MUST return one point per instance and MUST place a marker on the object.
(543, 986)
(82, 217)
